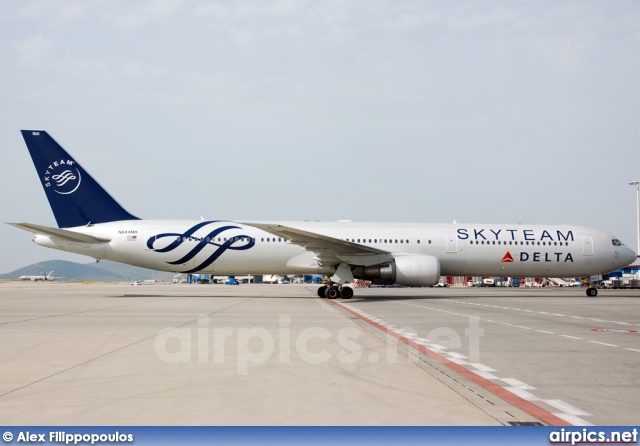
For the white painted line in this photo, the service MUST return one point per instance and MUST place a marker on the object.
(545, 331)
(573, 420)
(438, 346)
(633, 350)
(603, 343)
(523, 394)
(458, 361)
(567, 408)
(457, 355)
(516, 383)
(526, 328)
(485, 375)
(480, 366)
(570, 337)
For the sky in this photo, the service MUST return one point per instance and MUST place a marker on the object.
(411, 111)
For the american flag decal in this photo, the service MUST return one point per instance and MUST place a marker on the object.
(131, 238)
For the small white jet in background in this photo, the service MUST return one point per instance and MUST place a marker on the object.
(43, 278)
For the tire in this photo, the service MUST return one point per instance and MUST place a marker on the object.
(592, 292)
(347, 292)
(321, 292)
(332, 292)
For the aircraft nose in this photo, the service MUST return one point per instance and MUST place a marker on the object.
(632, 256)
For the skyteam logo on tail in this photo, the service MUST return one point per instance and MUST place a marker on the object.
(199, 243)
(63, 177)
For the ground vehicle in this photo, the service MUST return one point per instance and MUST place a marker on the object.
(232, 281)
(442, 283)
(501, 282)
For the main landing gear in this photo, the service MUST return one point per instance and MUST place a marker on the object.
(592, 291)
(335, 291)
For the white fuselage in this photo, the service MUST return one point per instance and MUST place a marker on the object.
(228, 248)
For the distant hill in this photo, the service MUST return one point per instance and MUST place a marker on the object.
(104, 271)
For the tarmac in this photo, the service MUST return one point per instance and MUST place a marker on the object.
(161, 354)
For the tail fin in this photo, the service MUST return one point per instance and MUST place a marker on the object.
(76, 199)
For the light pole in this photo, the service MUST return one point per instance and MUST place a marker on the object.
(637, 185)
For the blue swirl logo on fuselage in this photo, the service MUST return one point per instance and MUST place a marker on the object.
(237, 242)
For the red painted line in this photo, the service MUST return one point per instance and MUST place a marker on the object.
(533, 410)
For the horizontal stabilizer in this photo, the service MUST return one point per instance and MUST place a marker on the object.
(66, 234)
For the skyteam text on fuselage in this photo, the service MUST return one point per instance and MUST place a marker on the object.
(92, 223)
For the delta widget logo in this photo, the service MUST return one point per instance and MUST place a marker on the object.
(63, 177)
(508, 258)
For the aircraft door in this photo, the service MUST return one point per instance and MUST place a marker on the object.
(587, 245)
(452, 243)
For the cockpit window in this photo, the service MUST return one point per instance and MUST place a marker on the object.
(616, 242)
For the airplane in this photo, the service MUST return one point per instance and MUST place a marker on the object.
(92, 223)
(43, 278)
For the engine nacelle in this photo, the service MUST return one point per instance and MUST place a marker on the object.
(410, 270)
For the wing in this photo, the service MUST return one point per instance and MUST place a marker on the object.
(61, 233)
(315, 242)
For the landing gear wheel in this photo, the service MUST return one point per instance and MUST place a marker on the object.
(347, 292)
(333, 292)
(592, 292)
(321, 292)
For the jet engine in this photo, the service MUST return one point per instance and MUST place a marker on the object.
(409, 270)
